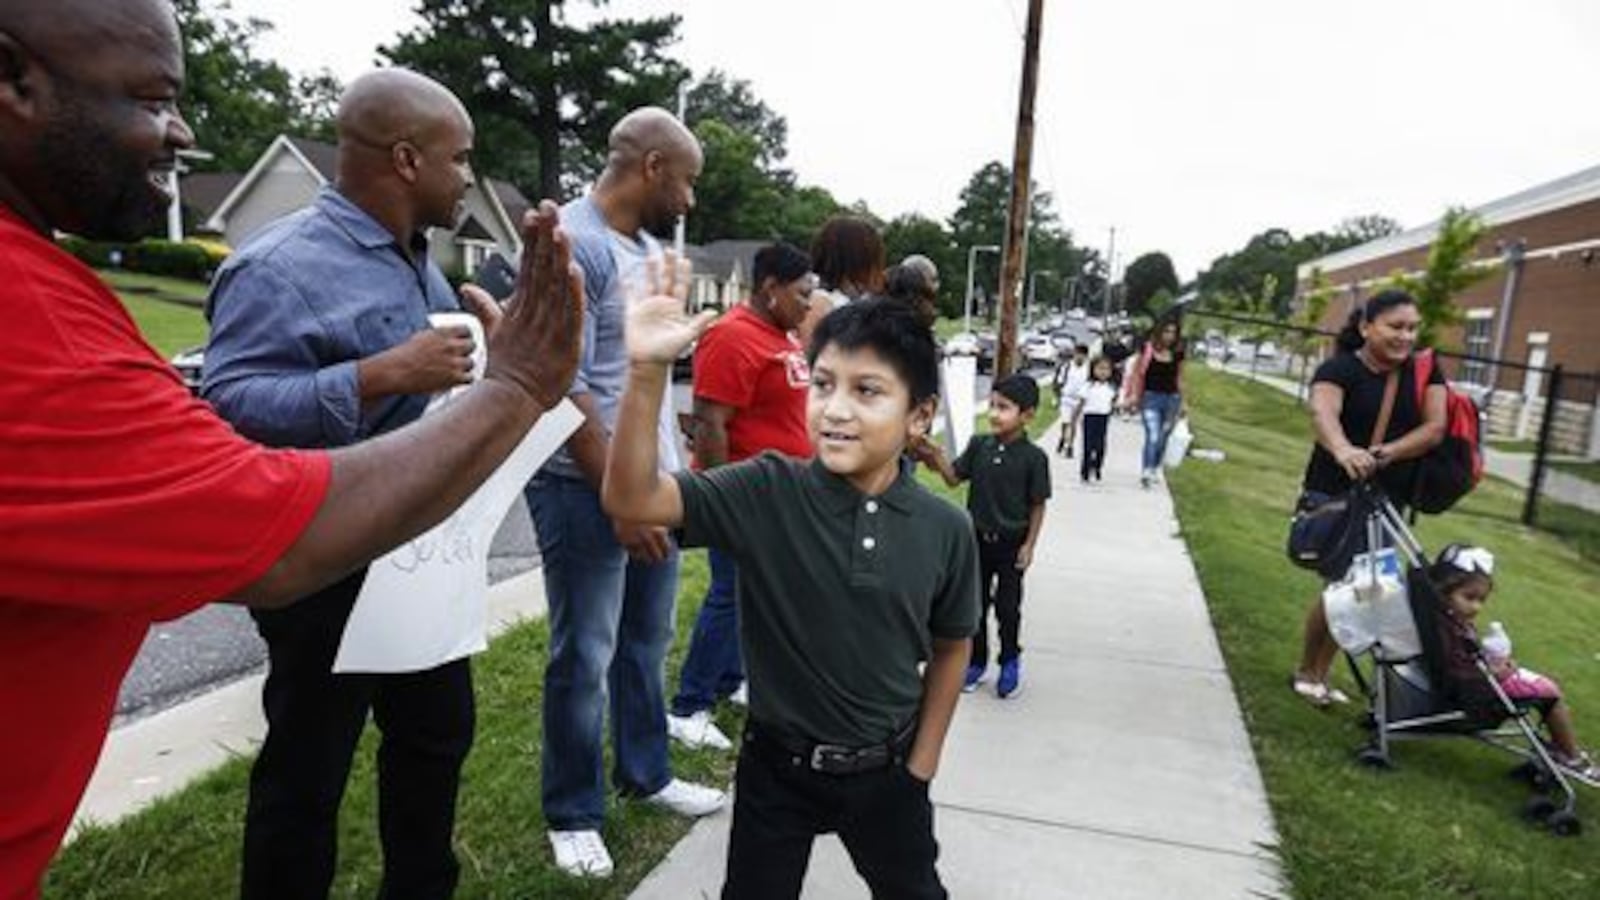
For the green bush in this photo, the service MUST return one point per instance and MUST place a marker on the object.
(192, 260)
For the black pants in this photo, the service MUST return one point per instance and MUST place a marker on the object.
(1094, 444)
(1002, 590)
(883, 817)
(314, 719)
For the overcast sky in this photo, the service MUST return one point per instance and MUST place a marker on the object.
(1188, 125)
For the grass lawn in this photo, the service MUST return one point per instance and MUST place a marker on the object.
(1445, 824)
(1588, 471)
(1511, 445)
(138, 283)
(188, 844)
(168, 326)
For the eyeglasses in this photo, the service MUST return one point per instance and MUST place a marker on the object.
(1470, 559)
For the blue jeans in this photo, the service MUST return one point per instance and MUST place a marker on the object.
(713, 668)
(611, 622)
(1160, 413)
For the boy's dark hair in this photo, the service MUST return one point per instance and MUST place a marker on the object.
(1019, 389)
(1081, 348)
(889, 329)
(848, 250)
(783, 261)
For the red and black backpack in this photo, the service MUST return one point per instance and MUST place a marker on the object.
(1451, 470)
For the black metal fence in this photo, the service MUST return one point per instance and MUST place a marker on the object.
(1561, 485)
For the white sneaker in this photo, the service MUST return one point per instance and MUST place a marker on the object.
(741, 697)
(697, 730)
(581, 854)
(688, 799)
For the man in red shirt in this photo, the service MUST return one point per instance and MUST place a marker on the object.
(750, 385)
(122, 499)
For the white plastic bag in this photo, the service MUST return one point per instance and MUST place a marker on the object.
(1370, 607)
(1178, 441)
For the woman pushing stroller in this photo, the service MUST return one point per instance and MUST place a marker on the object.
(1369, 425)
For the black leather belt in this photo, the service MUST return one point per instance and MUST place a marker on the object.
(995, 537)
(832, 759)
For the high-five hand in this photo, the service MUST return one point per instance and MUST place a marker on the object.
(658, 329)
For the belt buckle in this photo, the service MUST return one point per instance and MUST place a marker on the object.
(820, 755)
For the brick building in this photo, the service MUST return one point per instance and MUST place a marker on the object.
(1541, 306)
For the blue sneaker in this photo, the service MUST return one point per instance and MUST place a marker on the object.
(1010, 683)
(973, 679)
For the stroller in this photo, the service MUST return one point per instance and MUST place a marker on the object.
(1413, 695)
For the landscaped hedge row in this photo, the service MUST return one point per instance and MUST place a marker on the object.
(194, 260)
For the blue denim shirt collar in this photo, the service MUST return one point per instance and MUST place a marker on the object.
(363, 228)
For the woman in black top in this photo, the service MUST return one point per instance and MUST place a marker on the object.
(1346, 399)
(1154, 390)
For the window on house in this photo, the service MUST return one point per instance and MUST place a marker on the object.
(1479, 342)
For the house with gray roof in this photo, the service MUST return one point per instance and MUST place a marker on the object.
(292, 170)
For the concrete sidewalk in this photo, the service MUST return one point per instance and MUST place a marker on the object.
(149, 758)
(1121, 770)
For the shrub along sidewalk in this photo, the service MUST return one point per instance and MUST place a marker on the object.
(188, 844)
(1445, 823)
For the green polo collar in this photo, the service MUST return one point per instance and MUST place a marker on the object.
(840, 495)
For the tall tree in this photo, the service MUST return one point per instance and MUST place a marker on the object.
(1147, 276)
(543, 91)
(805, 208)
(980, 219)
(735, 197)
(917, 234)
(1452, 267)
(236, 102)
(720, 96)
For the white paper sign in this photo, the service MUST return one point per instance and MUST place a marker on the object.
(427, 602)
(960, 401)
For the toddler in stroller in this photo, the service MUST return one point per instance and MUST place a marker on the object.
(1463, 576)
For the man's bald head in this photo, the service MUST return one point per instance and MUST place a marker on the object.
(651, 129)
(89, 124)
(653, 164)
(405, 143)
(385, 107)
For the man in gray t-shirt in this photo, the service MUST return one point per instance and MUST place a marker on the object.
(610, 585)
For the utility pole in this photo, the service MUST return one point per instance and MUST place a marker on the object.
(1016, 242)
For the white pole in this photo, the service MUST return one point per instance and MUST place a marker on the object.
(683, 111)
(175, 208)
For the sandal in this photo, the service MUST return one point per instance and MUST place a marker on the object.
(1581, 766)
(1317, 693)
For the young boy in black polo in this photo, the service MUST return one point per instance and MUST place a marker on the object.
(1010, 483)
(851, 577)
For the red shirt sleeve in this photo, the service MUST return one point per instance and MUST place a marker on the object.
(120, 492)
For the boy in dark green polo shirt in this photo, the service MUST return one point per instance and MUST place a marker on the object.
(1010, 484)
(857, 598)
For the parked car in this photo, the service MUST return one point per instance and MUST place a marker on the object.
(189, 363)
(1040, 350)
(962, 343)
(1266, 350)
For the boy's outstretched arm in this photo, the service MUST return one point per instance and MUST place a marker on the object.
(927, 451)
(657, 331)
(941, 688)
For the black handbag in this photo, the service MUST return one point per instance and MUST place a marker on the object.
(1327, 532)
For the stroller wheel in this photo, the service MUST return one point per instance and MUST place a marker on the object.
(1565, 824)
(1373, 758)
(1541, 809)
